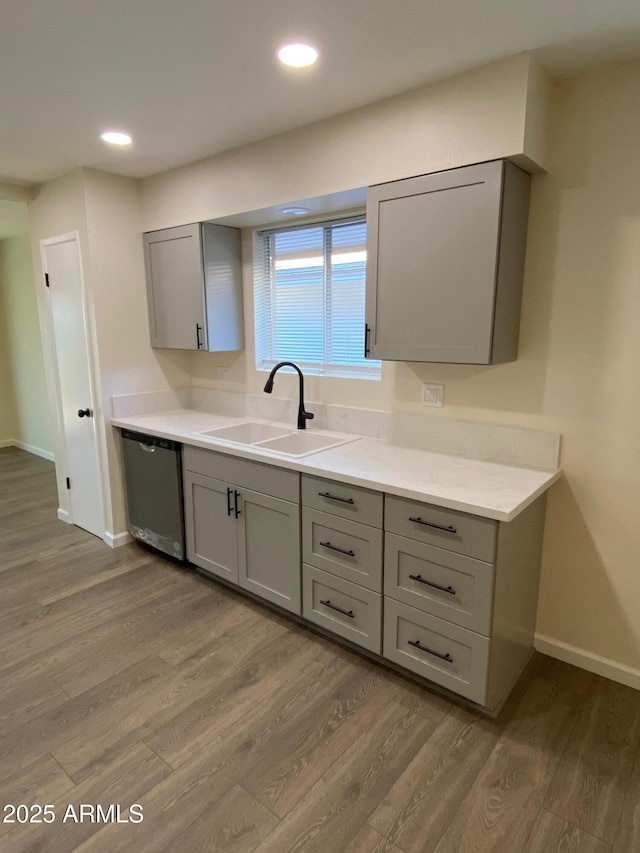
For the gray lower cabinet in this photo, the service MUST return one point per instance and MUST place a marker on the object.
(194, 287)
(462, 622)
(445, 261)
(342, 554)
(447, 654)
(453, 601)
(344, 608)
(247, 537)
(210, 530)
(269, 548)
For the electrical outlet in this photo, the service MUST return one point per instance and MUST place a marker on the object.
(433, 395)
(223, 374)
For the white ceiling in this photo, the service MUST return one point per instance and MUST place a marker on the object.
(188, 78)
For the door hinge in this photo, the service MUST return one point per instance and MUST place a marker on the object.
(46, 279)
(68, 483)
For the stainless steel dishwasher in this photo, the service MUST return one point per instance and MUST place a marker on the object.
(153, 488)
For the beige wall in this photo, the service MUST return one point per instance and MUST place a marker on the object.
(32, 415)
(127, 362)
(8, 419)
(476, 116)
(24, 414)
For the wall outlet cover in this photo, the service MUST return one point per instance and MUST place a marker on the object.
(433, 395)
(222, 374)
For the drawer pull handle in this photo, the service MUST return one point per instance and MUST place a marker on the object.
(229, 501)
(236, 506)
(335, 497)
(349, 553)
(422, 648)
(419, 520)
(348, 613)
(420, 579)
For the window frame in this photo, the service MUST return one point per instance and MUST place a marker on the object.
(265, 309)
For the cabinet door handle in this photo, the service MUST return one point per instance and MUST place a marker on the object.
(198, 338)
(335, 498)
(228, 501)
(419, 520)
(422, 648)
(348, 613)
(420, 579)
(367, 332)
(236, 504)
(349, 553)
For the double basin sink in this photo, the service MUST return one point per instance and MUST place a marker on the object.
(278, 439)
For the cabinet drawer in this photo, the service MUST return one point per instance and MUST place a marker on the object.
(451, 586)
(341, 607)
(245, 473)
(444, 528)
(447, 654)
(345, 548)
(354, 502)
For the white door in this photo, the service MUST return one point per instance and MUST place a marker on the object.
(63, 270)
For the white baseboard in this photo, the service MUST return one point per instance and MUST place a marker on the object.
(64, 515)
(30, 448)
(37, 451)
(118, 539)
(619, 672)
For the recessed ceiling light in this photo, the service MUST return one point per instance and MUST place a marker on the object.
(297, 55)
(294, 211)
(115, 137)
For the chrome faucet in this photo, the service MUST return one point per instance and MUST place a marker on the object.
(303, 416)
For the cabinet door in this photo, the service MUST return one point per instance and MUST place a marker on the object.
(175, 287)
(269, 549)
(211, 529)
(432, 247)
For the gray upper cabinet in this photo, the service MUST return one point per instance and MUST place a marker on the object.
(445, 259)
(194, 287)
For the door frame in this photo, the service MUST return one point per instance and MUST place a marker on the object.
(49, 346)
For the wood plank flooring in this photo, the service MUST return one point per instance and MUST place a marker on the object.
(125, 678)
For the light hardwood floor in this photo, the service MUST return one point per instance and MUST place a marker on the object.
(125, 678)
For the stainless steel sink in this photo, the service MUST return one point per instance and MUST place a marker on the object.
(247, 433)
(302, 443)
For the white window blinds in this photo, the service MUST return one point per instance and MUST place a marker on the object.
(309, 298)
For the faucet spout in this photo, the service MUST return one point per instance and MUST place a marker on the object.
(303, 415)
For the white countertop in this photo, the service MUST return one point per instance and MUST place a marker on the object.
(489, 489)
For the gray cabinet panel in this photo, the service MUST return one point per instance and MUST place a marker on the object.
(210, 530)
(444, 528)
(244, 472)
(342, 499)
(345, 548)
(452, 587)
(223, 287)
(173, 259)
(269, 548)
(447, 654)
(194, 287)
(343, 608)
(434, 246)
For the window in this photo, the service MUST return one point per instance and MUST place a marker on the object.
(309, 298)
